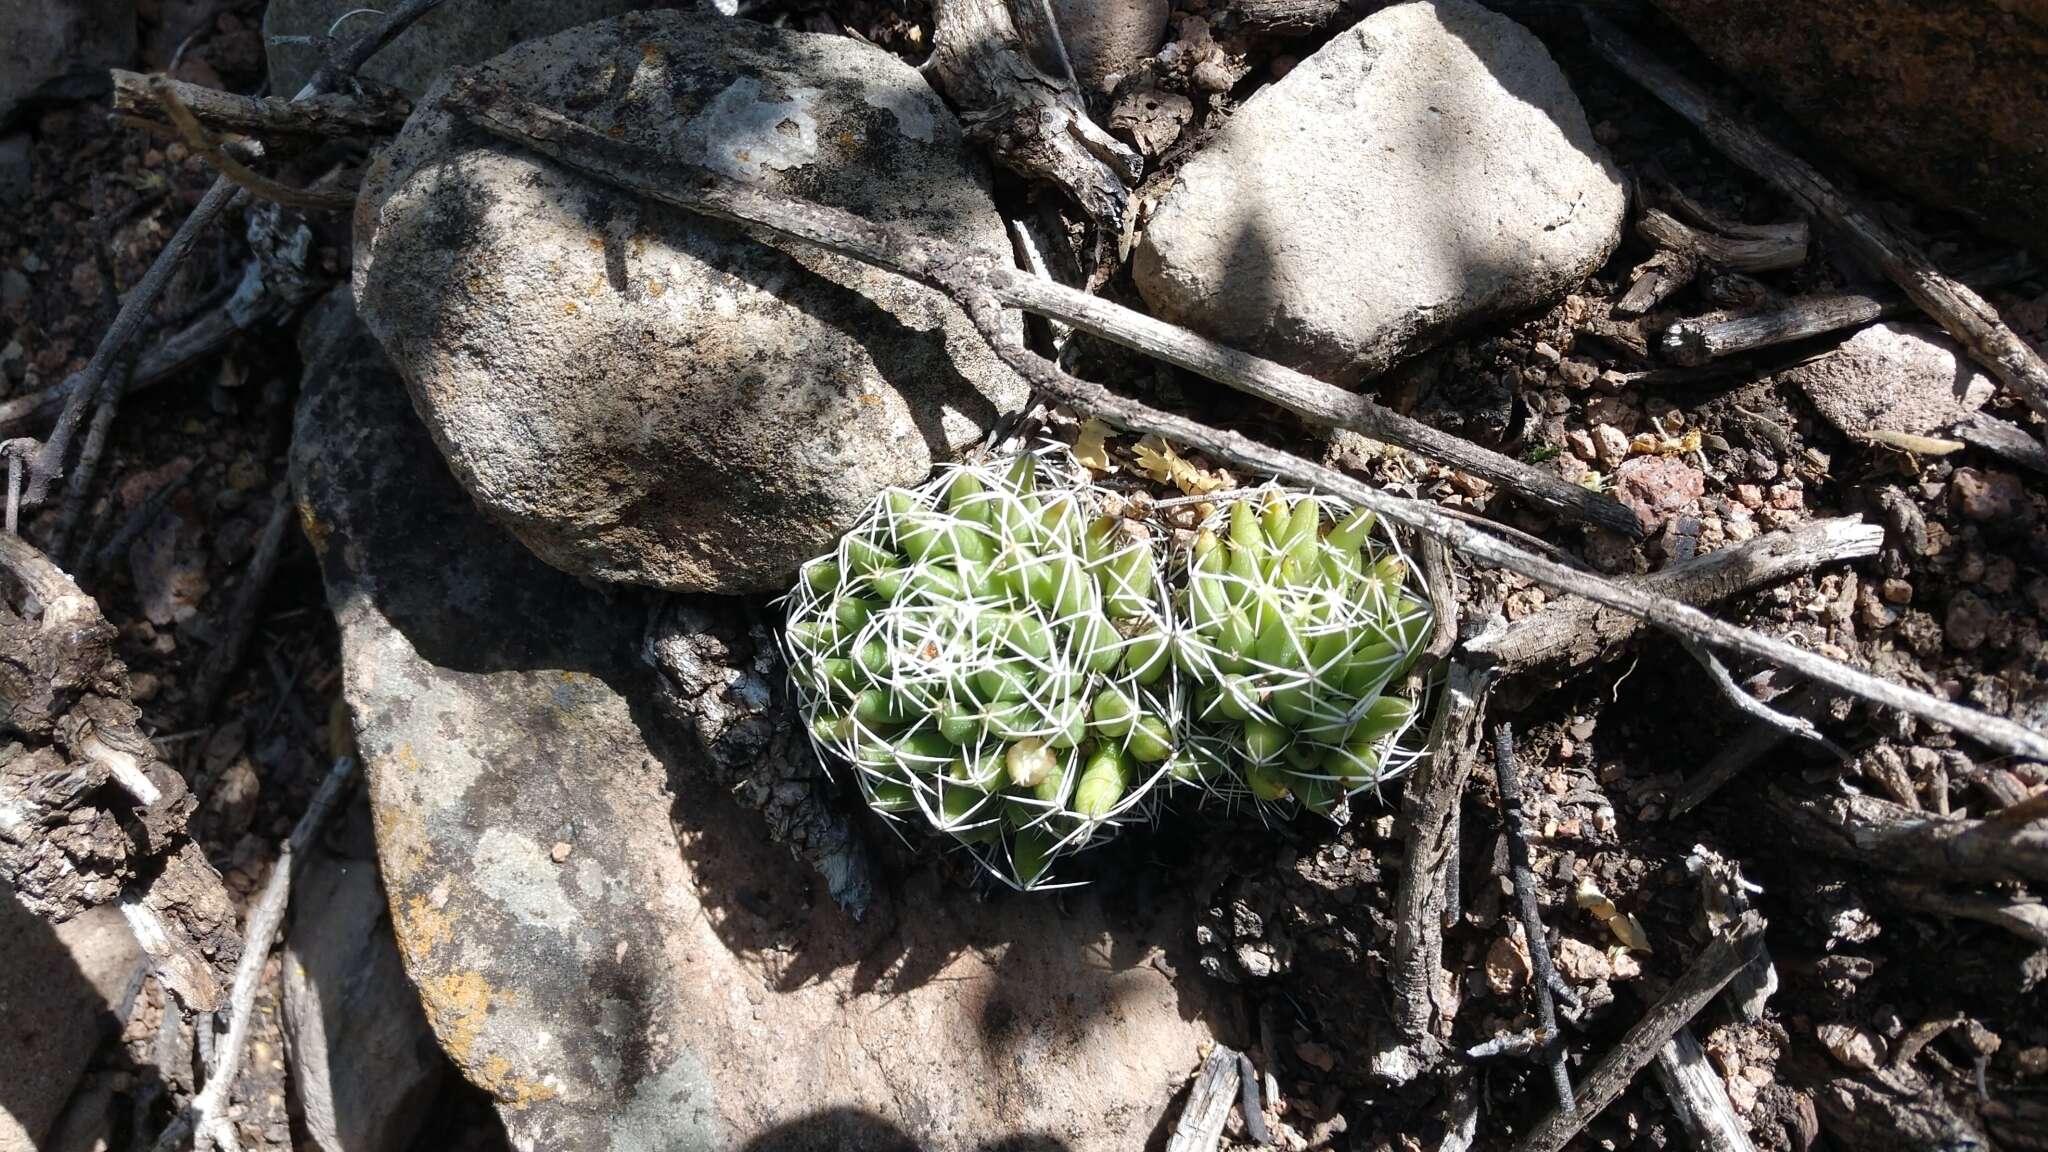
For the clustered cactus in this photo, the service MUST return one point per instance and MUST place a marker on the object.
(998, 656)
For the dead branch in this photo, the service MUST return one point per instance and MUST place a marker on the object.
(266, 916)
(255, 583)
(1700, 983)
(2023, 916)
(1201, 1121)
(1894, 838)
(1684, 251)
(1788, 723)
(2003, 439)
(373, 112)
(1698, 1096)
(1429, 809)
(1579, 632)
(251, 181)
(981, 287)
(1543, 977)
(1001, 65)
(142, 298)
(1964, 314)
(1746, 748)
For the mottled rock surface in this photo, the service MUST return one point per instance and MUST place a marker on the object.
(1943, 98)
(618, 954)
(364, 1068)
(453, 34)
(62, 989)
(60, 49)
(1107, 38)
(1426, 168)
(1894, 378)
(643, 395)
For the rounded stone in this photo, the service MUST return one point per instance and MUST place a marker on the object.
(641, 394)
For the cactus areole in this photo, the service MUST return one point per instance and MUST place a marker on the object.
(1013, 658)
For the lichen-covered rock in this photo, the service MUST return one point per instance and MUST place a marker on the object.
(296, 36)
(1427, 167)
(1942, 98)
(645, 395)
(608, 944)
(1894, 378)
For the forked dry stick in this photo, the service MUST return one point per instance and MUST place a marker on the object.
(1542, 976)
(1966, 315)
(983, 287)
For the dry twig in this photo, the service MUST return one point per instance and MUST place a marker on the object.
(1688, 994)
(251, 181)
(1543, 978)
(378, 112)
(1201, 1121)
(1698, 1096)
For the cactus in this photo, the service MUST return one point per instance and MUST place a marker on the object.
(988, 651)
(1293, 626)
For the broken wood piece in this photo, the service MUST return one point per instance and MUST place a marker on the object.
(1745, 748)
(983, 288)
(1001, 65)
(1683, 251)
(1700, 983)
(374, 112)
(1788, 723)
(2003, 439)
(1891, 837)
(1698, 1097)
(2023, 916)
(1200, 1127)
(1964, 314)
(1429, 808)
(1579, 632)
(251, 181)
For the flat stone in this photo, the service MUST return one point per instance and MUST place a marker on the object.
(63, 988)
(1894, 377)
(1943, 100)
(295, 31)
(363, 1063)
(644, 395)
(60, 51)
(673, 980)
(1426, 168)
(1105, 39)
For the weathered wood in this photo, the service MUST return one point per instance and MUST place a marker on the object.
(1200, 1126)
(1891, 837)
(1542, 975)
(376, 112)
(1743, 749)
(1695, 341)
(1680, 1003)
(1964, 314)
(1002, 67)
(1429, 809)
(2003, 439)
(1699, 1098)
(1578, 632)
(2023, 916)
(983, 287)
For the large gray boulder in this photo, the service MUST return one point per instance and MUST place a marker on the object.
(644, 395)
(60, 49)
(297, 35)
(63, 990)
(608, 944)
(1426, 168)
(1107, 38)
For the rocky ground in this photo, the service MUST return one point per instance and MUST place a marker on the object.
(1907, 1003)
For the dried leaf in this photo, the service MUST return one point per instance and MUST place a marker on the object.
(1091, 447)
(1158, 460)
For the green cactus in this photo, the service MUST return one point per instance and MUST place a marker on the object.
(988, 651)
(1293, 627)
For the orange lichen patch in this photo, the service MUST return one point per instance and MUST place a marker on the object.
(317, 530)
(496, 1078)
(569, 308)
(420, 927)
(656, 288)
(458, 1005)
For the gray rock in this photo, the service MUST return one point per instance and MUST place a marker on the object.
(1426, 168)
(63, 988)
(296, 32)
(363, 1063)
(1894, 377)
(58, 50)
(1107, 38)
(608, 944)
(641, 394)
